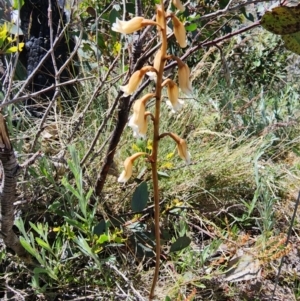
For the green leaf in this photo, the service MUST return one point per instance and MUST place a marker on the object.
(191, 27)
(180, 243)
(102, 239)
(223, 3)
(168, 298)
(140, 197)
(292, 42)
(100, 228)
(282, 20)
(20, 225)
(69, 187)
(43, 244)
(75, 223)
(101, 41)
(17, 4)
(130, 8)
(113, 16)
(27, 247)
(39, 271)
(85, 249)
(250, 17)
(162, 174)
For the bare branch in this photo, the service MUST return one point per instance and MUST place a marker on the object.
(228, 9)
(32, 95)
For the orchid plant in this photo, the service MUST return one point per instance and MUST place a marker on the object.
(139, 121)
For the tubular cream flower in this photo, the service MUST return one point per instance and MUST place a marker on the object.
(132, 25)
(181, 147)
(183, 152)
(178, 5)
(173, 93)
(184, 78)
(143, 128)
(160, 17)
(135, 80)
(128, 164)
(179, 32)
(138, 121)
(156, 64)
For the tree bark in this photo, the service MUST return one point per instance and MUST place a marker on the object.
(9, 169)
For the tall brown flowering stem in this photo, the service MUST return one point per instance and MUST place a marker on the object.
(139, 120)
(153, 157)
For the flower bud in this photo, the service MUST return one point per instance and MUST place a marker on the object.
(132, 25)
(156, 64)
(178, 5)
(160, 17)
(128, 164)
(181, 147)
(135, 80)
(183, 151)
(184, 78)
(138, 121)
(172, 91)
(179, 32)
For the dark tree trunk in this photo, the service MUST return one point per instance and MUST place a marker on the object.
(35, 26)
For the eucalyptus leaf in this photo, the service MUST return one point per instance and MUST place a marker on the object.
(100, 228)
(180, 244)
(140, 197)
(292, 42)
(282, 20)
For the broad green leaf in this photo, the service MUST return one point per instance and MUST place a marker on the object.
(3, 31)
(113, 16)
(191, 27)
(130, 8)
(140, 197)
(102, 239)
(17, 4)
(100, 228)
(101, 41)
(180, 243)
(250, 17)
(282, 20)
(292, 42)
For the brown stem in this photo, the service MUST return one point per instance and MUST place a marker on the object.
(175, 137)
(167, 82)
(149, 114)
(155, 150)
